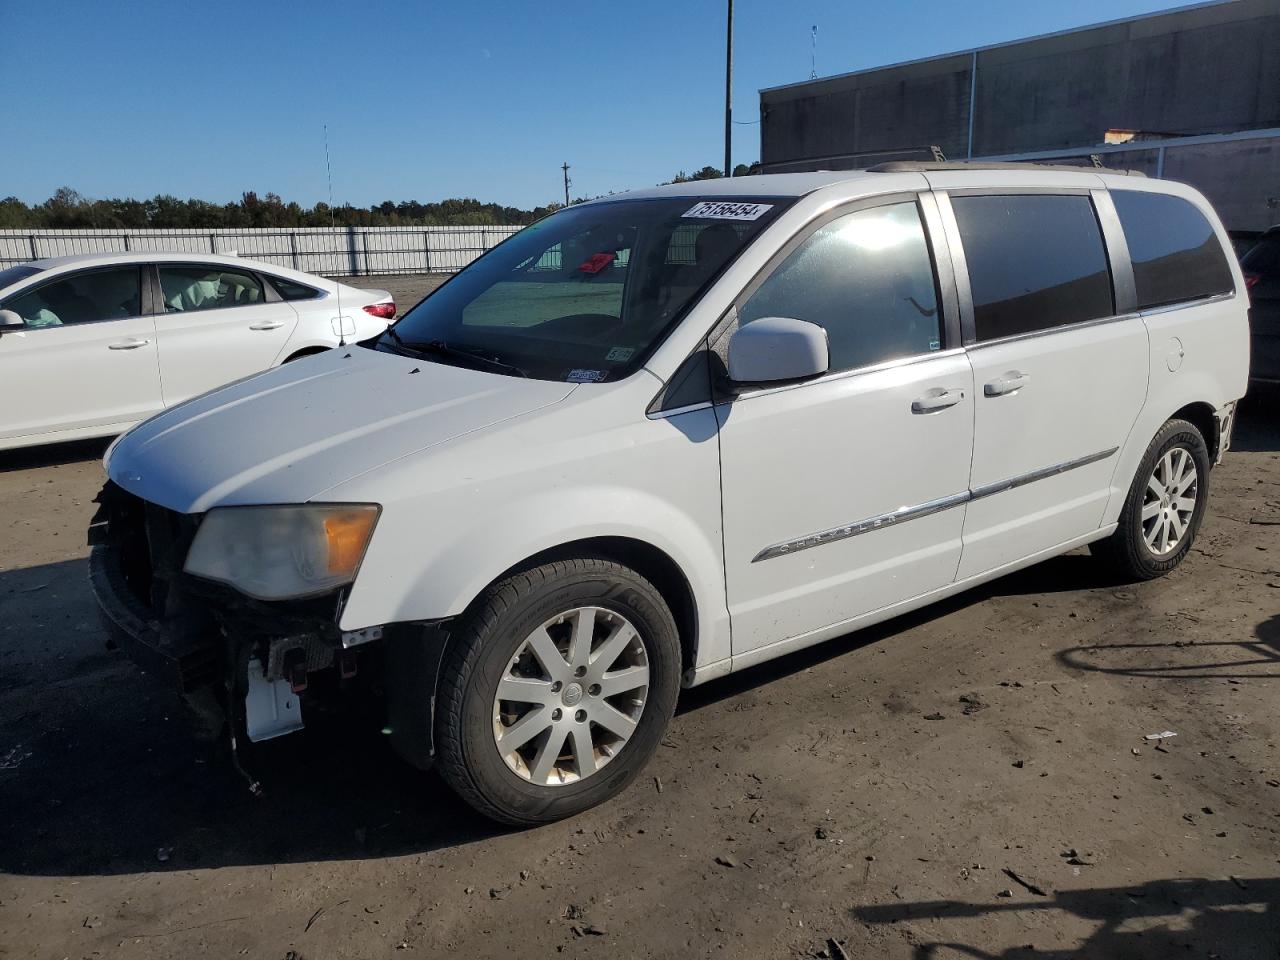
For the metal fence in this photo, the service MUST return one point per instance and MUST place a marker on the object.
(341, 251)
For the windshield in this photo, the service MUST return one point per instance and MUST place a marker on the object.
(586, 294)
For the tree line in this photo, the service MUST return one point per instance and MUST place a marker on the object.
(68, 209)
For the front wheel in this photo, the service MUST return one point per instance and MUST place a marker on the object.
(1165, 505)
(556, 689)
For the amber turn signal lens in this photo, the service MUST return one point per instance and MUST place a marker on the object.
(347, 533)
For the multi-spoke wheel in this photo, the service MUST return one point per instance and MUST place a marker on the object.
(556, 689)
(1165, 504)
(572, 696)
(1169, 501)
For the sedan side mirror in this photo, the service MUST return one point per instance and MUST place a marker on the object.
(777, 349)
(9, 320)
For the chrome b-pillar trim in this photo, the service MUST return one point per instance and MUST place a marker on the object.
(900, 515)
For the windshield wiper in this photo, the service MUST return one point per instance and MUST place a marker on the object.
(441, 349)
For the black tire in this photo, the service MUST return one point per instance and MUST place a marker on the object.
(480, 648)
(1126, 550)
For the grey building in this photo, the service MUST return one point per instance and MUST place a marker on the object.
(1192, 94)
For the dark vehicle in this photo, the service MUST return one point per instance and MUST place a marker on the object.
(1261, 267)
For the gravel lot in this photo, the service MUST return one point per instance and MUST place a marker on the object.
(969, 781)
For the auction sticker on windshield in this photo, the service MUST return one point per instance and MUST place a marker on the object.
(727, 210)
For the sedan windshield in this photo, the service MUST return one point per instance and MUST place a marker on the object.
(586, 294)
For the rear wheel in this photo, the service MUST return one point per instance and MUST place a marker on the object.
(1165, 505)
(556, 689)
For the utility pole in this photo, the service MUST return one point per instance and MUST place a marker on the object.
(728, 96)
(565, 167)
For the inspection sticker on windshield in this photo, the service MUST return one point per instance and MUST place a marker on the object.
(619, 354)
(727, 210)
(585, 376)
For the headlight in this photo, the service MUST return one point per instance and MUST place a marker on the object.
(282, 552)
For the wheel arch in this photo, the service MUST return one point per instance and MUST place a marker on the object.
(1205, 419)
(651, 562)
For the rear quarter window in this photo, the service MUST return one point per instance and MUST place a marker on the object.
(291, 290)
(1175, 252)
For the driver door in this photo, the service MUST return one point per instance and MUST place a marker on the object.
(846, 494)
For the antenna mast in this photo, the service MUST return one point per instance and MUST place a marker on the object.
(333, 225)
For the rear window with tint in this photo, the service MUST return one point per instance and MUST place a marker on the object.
(1036, 261)
(1176, 255)
(289, 290)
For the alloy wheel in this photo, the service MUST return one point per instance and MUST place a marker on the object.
(1170, 501)
(571, 696)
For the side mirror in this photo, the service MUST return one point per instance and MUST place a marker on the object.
(10, 321)
(777, 349)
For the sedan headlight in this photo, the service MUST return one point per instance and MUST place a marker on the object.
(283, 552)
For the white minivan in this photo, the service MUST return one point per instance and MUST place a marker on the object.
(663, 436)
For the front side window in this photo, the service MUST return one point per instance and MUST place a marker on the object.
(187, 288)
(1036, 261)
(867, 279)
(586, 294)
(1176, 254)
(112, 294)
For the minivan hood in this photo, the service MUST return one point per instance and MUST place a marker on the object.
(287, 435)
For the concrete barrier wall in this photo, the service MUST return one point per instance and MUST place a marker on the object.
(342, 251)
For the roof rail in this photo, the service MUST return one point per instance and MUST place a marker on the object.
(923, 166)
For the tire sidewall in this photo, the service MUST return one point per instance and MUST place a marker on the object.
(1176, 433)
(613, 588)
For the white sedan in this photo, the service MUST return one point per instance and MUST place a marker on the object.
(92, 344)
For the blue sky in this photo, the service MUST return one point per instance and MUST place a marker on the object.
(426, 100)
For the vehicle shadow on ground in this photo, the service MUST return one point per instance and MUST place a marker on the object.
(1184, 660)
(1148, 921)
(53, 454)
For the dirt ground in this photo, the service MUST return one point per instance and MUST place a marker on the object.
(969, 781)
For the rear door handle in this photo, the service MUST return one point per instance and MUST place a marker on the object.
(133, 344)
(1011, 382)
(933, 402)
(266, 325)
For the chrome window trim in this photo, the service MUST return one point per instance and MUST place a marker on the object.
(677, 411)
(844, 374)
(903, 514)
(1183, 304)
(1050, 331)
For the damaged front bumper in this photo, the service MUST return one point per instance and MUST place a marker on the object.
(253, 664)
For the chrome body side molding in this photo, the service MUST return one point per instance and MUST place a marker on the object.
(903, 514)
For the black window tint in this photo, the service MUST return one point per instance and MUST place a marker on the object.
(1035, 262)
(289, 290)
(81, 298)
(1176, 255)
(868, 279)
(187, 288)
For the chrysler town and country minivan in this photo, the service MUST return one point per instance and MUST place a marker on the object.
(660, 437)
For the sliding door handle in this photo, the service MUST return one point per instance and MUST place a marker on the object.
(936, 400)
(1011, 382)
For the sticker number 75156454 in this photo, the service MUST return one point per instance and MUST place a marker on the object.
(727, 210)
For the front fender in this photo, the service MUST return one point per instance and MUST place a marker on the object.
(455, 557)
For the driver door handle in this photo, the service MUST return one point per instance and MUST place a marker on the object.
(266, 325)
(133, 344)
(1011, 382)
(931, 403)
